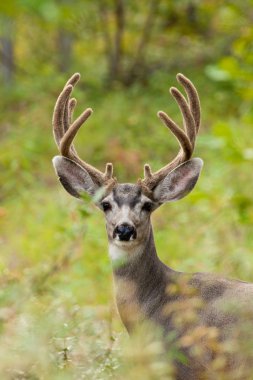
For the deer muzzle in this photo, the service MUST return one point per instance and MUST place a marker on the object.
(124, 232)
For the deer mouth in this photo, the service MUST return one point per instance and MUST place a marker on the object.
(126, 246)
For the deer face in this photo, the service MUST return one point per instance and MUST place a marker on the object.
(127, 212)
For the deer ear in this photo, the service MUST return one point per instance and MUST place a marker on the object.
(178, 183)
(73, 177)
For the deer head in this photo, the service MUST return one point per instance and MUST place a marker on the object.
(127, 207)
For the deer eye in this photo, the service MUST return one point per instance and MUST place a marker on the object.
(147, 206)
(106, 206)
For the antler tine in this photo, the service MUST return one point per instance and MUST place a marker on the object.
(68, 118)
(73, 79)
(61, 110)
(186, 138)
(69, 135)
(70, 105)
(58, 115)
(65, 132)
(181, 136)
(189, 123)
(193, 98)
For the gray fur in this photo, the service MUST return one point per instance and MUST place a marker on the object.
(223, 302)
(143, 283)
(127, 194)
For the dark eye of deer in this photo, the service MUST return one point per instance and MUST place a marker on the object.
(106, 206)
(147, 206)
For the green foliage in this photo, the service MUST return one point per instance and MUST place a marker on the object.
(57, 318)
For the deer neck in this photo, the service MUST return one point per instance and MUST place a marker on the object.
(140, 279)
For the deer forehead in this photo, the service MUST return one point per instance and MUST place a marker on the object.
(126, 195)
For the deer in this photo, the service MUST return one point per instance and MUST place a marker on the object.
(145, 288)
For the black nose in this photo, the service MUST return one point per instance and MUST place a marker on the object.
(125, 232)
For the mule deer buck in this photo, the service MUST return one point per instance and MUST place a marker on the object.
(147, 289)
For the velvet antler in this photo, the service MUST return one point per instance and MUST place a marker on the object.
(65, 131)
(186, 137)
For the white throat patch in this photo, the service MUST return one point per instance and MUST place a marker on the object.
(122, 252)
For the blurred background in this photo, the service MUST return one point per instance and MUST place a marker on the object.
(57, 314)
